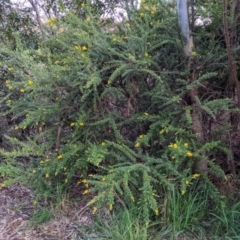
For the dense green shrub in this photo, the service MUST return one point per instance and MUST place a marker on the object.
(103, 105)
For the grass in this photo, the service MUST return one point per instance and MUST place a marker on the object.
(226, 220)
(41, 216)
(124, 224)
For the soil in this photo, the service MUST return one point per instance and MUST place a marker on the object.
(17, 209)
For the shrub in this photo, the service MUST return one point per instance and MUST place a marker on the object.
(103, 106)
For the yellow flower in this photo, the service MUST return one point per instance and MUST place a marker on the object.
(9, 101)
(7, 81)
(81, 124)
(151, 23)
(76, 47)
(185, 145)
(142, 14)
(128, 24)
(141, 136)
(137, 145)
(84, 48)
(85, 192)
(170, 145)
(147, 224)
(187, 182)
(86, 185)
(189, 154)
(103, 143)
(132, 198)
(10, 69)
(183, 192)
(49, 21)
(78, 182)
(30, 82)
(22, 90)
(175, 146)
(56, 62)
(34, 202)
(64, 168)
(152, 12)
(194, 54)
(109, 82)
(34, 171)
(94, 210)
(88, 19)
(3, 185)
(103, 179)
(162, 131)
(156, 212)
(10, 87)
(60, 156)
(146, 54)
(16, 128)
(47, 175)
(110, 207)
(72, 124)
(66, 180)
(196, 175)
(146, 114)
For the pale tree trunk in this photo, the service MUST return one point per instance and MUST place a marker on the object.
(196, 114)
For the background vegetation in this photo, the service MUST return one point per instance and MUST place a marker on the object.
(117, 110)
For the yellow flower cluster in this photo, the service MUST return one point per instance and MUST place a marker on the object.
(30, 82)
(137, 144)
(51, 22)
(94, 209)
(189, 154)
(83, 48)
(81, 124)
(194, 54)
(196, 175)
(175, 146)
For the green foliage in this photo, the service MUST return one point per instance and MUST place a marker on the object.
(42, 216)
(226, 219)
(125, 225)
(184, 214)
(104, 106)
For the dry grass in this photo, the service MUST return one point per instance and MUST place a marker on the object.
(17, 208)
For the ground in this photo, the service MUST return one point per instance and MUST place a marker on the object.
(17, 211)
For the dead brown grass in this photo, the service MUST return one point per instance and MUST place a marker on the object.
(16, 209)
